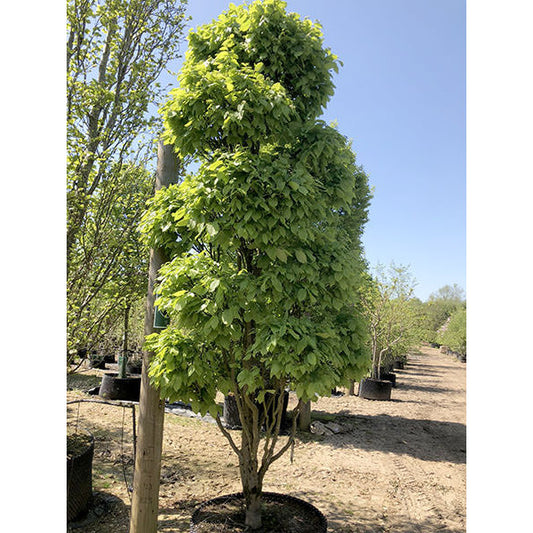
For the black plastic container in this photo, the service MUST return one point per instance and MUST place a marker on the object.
(309, 514)
(375, 389)
(80, 481)
(115, 388)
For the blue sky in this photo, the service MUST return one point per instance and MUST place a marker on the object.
(401, 98)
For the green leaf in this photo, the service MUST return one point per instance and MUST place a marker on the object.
(271, 253)
(301, 256)
(212, 228)
(311, 358)
(212, 323)
(227, 317)
(281, 254)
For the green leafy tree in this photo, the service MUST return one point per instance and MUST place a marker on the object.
(108, 273)
(392, 313)
(440, 305)
(116, 52)
(454, 335)
(264, 238)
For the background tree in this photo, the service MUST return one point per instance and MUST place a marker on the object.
(108, 272)
(116, 52)
(440, 305)
(392, 313)
(264, 238)
(454, 336)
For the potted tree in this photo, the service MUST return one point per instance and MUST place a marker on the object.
(134, 365)
(393, 324)
(263, 239)
(121, 385)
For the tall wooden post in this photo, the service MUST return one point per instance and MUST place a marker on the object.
(145, 502)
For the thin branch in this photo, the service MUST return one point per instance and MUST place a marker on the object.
(228, 436)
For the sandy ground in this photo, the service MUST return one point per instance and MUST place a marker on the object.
(397, 466)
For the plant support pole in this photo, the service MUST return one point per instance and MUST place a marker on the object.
(123, 361)
(145, 502)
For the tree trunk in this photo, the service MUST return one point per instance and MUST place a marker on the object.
(375, 362)
(304, 417)
(351, 392)
(253, 511)
(251, 482)
(145, 501)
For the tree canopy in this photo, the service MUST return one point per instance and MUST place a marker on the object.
(265, 236)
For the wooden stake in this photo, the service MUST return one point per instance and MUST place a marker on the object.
(145, 502)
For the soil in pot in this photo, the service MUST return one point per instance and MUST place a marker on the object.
(280, 513)
(80, 450)
(375, 389)
(115, 388)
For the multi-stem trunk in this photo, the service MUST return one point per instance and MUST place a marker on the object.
(252, 482)
(253, 465)
(251, 475)
(375, 361)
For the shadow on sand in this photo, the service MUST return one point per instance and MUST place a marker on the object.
(428, 440)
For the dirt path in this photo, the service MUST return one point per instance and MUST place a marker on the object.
(397, 466)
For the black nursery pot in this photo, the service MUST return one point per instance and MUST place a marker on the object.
(97, 362)
(388, 376)
(134, 367)
(385, 369)
(79, 476)
(399, 365)
(115, 388)
(375, 389)
(293, 514)
(230, 412)
(109, 358)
